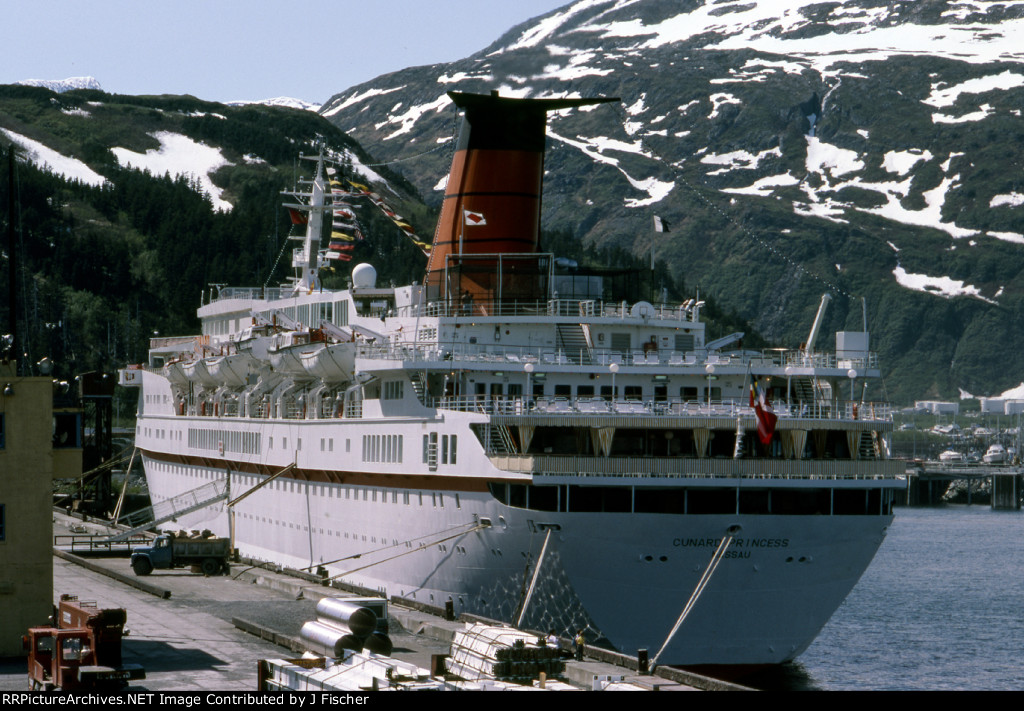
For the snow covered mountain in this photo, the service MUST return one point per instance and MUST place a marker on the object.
(872, 148)
(62, 85)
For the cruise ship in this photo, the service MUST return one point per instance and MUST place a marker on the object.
(522, 438)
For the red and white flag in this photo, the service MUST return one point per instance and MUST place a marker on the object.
(473, 218)
(766, 417)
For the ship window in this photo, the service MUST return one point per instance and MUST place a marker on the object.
(789, 502)
(451, 453)
(667, 501)
(613, 499)
(544, 498)
(606, 392)
(499, 492)
(846, 502)
(444, 449)
(756, 501)
(711, 501)
(633, 392)
(563, 391)
(585, 391)
(517, 495)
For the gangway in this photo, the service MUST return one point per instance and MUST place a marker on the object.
(172, 508)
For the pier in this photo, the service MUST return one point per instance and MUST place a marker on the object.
(928, 481)
(200, 634)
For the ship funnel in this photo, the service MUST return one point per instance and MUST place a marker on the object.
(493, 196)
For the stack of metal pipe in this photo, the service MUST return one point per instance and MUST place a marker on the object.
(342, 625)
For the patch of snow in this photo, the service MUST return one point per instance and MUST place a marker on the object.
(656, 189)
(408, 119)
(945, 164)
(61, 85)
(738, 159)
(356, 98)
(538, 33)
(463, 76)
(1010, 199)
(1014, 237)
(1016, 393)
(180, 155)
(944, 98)
(720, 100)
(637, 107)
(983, 112)
(54, 162)
(285, 101)
(764, 186)
(822, 157)
(943, 286)
(900, 162)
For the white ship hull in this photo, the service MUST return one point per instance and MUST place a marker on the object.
(623, 577)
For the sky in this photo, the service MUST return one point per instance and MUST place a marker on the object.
(245, 50)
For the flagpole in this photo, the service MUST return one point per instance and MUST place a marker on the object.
(462, 228)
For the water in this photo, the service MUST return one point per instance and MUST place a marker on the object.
(941, 607)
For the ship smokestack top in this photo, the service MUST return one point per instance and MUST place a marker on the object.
(493, 195)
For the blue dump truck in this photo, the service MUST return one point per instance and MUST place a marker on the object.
(205, 553)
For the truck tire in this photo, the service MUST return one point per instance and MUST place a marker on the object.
(210, 566)
(142, 566)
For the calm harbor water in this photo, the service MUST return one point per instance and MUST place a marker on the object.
(941, 607)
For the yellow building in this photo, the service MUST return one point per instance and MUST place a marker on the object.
(28, 466)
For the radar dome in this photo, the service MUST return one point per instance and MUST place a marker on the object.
(364, 276)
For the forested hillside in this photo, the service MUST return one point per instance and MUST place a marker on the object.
(104, 264)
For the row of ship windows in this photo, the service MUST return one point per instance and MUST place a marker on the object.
(219, 440)
(695, 500)
(436, 499)
(156, 433)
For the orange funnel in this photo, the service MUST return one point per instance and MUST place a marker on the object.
(492, 200)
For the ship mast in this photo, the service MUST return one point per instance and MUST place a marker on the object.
(306, 258)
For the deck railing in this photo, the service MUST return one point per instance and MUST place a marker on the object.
(671, 407)
(519, 356)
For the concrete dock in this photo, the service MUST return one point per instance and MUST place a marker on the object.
(195, 633)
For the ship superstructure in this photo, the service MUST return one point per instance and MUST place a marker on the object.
(516, 437)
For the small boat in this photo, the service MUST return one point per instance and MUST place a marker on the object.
(996, 454)
(951, 456)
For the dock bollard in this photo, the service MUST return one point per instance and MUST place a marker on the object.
(641, 661)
